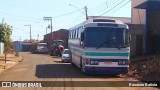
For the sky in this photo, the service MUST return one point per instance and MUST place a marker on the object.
(65, 14)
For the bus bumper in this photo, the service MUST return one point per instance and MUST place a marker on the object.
(106, 70)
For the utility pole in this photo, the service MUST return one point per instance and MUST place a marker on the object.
(85, 8)
(49, 19)
(30, 32)
(86, 12)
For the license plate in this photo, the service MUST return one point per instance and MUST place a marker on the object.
(108, 62)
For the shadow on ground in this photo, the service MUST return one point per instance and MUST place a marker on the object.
(58, 61)
(64, 71)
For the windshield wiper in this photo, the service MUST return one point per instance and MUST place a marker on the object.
(119, 46)
(122, 46)
(101, 44)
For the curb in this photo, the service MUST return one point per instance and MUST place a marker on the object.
(11, 66)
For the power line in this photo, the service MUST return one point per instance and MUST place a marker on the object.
(17, 18)
(103, 3)
(121, 6)
(62, 15)
(112, 8)
(29, 8)
(15, 15)
(104, 7)
(76, 19)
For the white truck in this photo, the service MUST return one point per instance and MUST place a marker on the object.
(39, 48)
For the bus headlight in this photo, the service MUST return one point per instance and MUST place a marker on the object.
(94, 63)
(122, 62)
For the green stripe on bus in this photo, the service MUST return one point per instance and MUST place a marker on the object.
(105, 54)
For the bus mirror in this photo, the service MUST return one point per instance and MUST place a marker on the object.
(130, 38)
(82, 36)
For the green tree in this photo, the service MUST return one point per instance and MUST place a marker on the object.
(7, 30)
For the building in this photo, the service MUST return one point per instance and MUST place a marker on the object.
(147, 12)
(61, 34)
(22, 46)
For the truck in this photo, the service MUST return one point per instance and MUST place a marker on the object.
(56, 41)
(57, 48)
(39, 48)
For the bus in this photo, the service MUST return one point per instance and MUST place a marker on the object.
(100, 46)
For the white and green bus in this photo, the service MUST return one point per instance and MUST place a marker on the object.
(100, 46)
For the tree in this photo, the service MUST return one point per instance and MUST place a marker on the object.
(6, 38)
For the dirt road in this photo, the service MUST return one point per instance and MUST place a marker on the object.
(41, 67)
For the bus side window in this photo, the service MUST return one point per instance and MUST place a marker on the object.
(72, 34)
(82, 36)
(77, 32)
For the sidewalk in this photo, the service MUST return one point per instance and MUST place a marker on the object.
(11, 60)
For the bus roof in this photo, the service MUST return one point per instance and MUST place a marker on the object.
(98, 20)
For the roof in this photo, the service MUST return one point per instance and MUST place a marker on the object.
(125, 20)
(149, 5)
(117, 20)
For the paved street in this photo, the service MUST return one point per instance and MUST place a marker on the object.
(41, 67)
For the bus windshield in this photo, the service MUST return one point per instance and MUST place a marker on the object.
(106, 37)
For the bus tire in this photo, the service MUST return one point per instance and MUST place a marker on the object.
(72, 61)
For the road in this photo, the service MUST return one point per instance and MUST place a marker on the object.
(41, 67)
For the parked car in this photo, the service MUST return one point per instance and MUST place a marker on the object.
(65, 55)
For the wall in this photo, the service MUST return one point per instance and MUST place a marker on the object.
(138, 15)
(136, 44)
(153, 32)
(154, 22)
(1, 48)
(61, 34)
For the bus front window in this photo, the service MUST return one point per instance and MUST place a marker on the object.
(106, 37)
